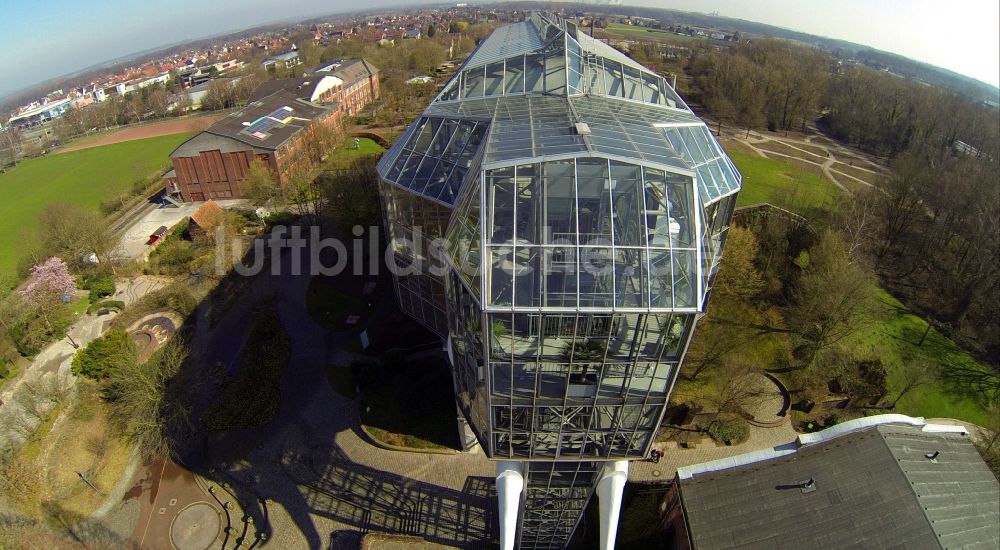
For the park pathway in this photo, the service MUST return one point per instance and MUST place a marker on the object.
(826, 163)
(26, 401)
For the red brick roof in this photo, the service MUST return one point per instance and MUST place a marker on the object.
(209, 215)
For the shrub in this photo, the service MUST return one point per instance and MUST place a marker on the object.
(106, 304)
(105, 355)
(176, 297)
(145, 406)
(731, 430)
(100, 286)
(33, 332)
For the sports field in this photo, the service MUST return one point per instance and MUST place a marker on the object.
(83, 178)
(195, 123)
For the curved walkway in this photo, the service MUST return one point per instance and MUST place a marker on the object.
(776, 431)
(826, 163)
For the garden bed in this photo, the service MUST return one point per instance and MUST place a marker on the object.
(251, 400)
(409, 403)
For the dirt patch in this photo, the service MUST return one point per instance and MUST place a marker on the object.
(812, 149)
(733, 145)
(153, 129)
(863, 175)
(789, 150)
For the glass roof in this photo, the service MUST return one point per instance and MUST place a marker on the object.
(532, 126)
(435, 157)
(541, 56)
(578, 179)
(506, 41)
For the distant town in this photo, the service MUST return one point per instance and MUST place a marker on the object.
(182, 77)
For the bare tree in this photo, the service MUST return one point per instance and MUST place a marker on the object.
(71, 232)
(145, 406)
(260, 185)
(834, 297)
(914, 376)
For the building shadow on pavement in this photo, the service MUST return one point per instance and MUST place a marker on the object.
(320, 480)
(296, 464)
(370, 500)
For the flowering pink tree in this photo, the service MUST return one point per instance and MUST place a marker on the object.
(49, 281)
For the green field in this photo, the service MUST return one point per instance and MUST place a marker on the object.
(783, 185)
(83, 178)
(895, 339)
(345, 152)
(651, 34)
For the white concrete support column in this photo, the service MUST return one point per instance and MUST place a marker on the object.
(510, 484)
(609, 493)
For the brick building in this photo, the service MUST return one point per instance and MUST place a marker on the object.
(360, 83)
(279, 125)
(286, 129)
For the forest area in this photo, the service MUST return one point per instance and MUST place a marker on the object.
(930, 231)
(862, 301)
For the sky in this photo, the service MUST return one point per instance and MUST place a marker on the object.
(48, 39)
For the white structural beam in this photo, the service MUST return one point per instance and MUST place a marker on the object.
(609, 492)
(510, 484)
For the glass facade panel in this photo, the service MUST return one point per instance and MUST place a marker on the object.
(472, 82)
(574, 65)
(593, 188)
(530, 210)
(555, 70)
(614, 80)
(633, 84)
(627, 199)
(513, 80)
(494, 78)
(651, 89)
(577, 265)
(631, 284)
(661, 279)
(559, 186)
(534, 73)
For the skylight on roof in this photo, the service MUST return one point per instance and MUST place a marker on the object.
(260, 127)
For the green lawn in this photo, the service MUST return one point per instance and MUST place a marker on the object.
(778, 183)
(651, 34)
(84, 178)
(346, 151)
(894, 339)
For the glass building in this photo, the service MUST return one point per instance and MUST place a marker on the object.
(557, 215)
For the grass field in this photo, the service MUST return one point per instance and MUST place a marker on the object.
(345, 152)
(894, 339)
(83, 178)
(778, 183)
(649, 34)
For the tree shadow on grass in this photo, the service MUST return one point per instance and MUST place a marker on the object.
(959, 373)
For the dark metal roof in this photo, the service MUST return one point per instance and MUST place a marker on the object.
(353, 70)
(874, 488)
(301, 88)
(233, 133)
